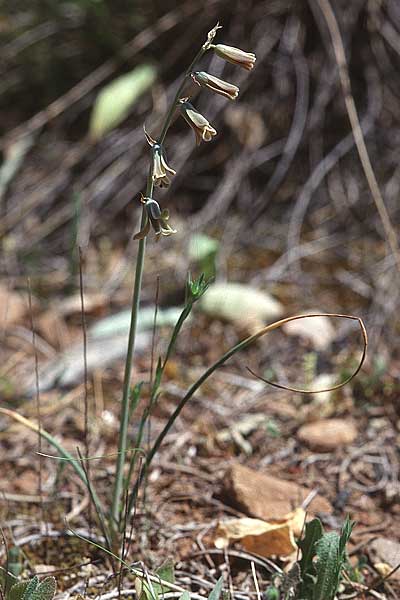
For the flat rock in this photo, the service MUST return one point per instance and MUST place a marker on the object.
(383, 551)
(328, 434)
(240, 304)
(318, 330)
(267, 497)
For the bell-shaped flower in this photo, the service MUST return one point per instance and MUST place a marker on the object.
(157, 218)
(201, 127)
(235, 56)
(159, 163)
(215, 84)
(161, 167)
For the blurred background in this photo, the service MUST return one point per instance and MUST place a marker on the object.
(279, 194)
(276, 208)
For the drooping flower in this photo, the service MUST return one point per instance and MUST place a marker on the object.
(160, 165)
(201, 127)
(235, 56)
(157, 218)
(215, 84)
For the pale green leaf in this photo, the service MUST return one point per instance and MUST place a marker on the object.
(115, 101)
(216, 592)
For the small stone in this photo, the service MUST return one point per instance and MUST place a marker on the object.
(318, 330)
(327, 434)
(240, 304)
(383, 551)
(267, 497)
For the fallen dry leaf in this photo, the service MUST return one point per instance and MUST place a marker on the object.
(262, 537)
(383, 569)
(385, 556)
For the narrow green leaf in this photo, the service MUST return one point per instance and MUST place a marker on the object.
(312, 534)
(115, 101)
(185, 596)
(7, 579)
(328, 566)
(216, 592)
(167, 573)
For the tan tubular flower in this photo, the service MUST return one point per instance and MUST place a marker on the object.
(201, 127)
(160, 167)
(215, 84)
(155, 217)
(235, 56)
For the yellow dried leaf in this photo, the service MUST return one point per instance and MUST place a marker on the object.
(383, 569)
(262, 537)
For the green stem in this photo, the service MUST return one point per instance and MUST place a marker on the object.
(191, 391)
(171, 111)
(124, 418)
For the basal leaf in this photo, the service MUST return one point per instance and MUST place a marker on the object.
(17, 590)
(30, 588)
(45, 590)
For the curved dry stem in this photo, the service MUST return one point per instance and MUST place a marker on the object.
(240, 346)
(334, 387)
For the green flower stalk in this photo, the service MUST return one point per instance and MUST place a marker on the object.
(153, 217)
(219, 86)
(201, 127)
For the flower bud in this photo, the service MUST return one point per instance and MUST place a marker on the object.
(201, 127)
(215, 84)
(235, 56)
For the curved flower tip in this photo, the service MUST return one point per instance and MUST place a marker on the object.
(201, 127)
(215, 84)
(236, 56)
(161, 167)
(156, 218)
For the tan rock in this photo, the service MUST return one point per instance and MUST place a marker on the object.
(385, 555)
(328, 434)
(318, 330)
(267, 497)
